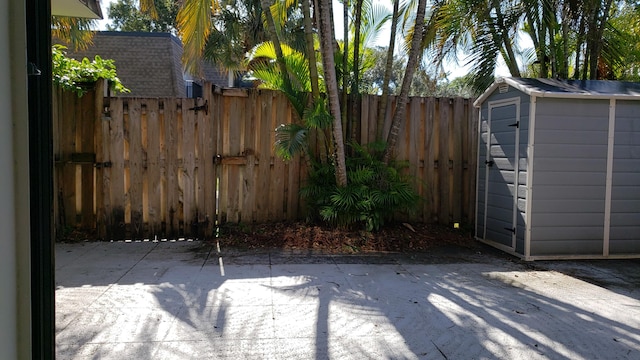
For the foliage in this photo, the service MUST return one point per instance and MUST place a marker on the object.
(262, 63)
(73, 75)
(424, 82)
(75, 32)
(374, 192)
(125, 16)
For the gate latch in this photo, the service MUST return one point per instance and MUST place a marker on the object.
(204, 107)
(489, 162)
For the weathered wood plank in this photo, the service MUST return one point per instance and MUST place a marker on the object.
(87, 131)
(444, 162)
(103, 203)
(428, 173)
(278, 175)
(414, 142)
(116, 139)
(188, 170)
(207, 164)
(457, 120)
(472, 159)
(249, 191)
(223, 150)
(136, 171)
(67, 183)
(264, 156)
(233, 148)
(200, 143)
(154, 179)
(172, 120)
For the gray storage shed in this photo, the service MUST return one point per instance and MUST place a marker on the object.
(559, 168)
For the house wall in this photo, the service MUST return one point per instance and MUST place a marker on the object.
(625, 194)
(15, 311)
(570, 164)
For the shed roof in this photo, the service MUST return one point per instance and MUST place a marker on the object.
(597, 89)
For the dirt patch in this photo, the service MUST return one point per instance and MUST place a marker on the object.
(397, 237)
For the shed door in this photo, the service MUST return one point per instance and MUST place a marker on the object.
(502, 170)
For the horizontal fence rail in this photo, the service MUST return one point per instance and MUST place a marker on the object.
(137, 168)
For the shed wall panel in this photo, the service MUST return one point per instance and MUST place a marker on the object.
(568, 208)
(624, 233)
(562, 245)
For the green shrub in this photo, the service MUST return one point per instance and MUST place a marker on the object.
(73, 75)
(374, 192)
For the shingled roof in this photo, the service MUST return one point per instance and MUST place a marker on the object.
(147, 63)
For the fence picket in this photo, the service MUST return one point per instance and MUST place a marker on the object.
(188, 166)
(116, 138)
(154, 188)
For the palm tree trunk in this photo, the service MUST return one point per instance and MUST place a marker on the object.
(311, 52)
(414, 58)
(384, 100)
(354, 114)
(345, 65)
(331, 82)
(317, 134)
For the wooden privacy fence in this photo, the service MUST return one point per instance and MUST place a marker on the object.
(137, 168)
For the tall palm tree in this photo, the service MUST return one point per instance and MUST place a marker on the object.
(415, 54)
(384, 100)
(331, 83)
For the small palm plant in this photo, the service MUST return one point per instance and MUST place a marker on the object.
(292, 139)
(375, 191)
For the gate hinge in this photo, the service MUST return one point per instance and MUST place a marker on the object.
(516, 124)
(100, 165)
(513, 230)
(204, 107)
(489, 162)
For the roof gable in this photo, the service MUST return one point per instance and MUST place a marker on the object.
(147, 63)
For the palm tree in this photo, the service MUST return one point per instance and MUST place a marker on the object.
(382, 105)
(415, 54)
(331, 83)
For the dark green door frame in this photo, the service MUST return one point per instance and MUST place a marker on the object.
(41, 177)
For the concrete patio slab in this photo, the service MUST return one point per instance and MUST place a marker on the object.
(184, 300)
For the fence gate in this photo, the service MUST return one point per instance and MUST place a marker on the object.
(138, 168)
(157, 177)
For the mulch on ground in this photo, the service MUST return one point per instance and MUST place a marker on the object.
(396, 237)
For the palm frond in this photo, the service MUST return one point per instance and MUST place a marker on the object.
(194, 27)
(290, 140)
(76, 32)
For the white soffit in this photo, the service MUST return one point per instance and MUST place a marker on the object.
(89, 9)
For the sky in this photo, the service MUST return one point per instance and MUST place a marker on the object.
(453, 70)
